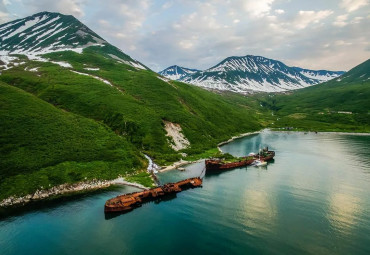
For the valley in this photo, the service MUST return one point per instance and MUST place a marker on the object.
(129, 104)
(159, 127)
(250, 74)
(75, 108)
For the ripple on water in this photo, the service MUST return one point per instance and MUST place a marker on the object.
(314, 199)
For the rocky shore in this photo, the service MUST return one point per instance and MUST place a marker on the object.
(236, 137)
(65, 189)
(175, 165)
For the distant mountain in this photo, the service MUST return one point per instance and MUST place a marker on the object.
(359, 74)
(321, 75)
(48, 32)
(255, 73)
(342, 103)
(177, 72)
(75, 108)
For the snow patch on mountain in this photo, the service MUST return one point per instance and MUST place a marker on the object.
(250, 73)
(92, 68)
(320, 75)
(131, 63)
(27, 24)
(93, 76)
(46, 32)
(177, 72)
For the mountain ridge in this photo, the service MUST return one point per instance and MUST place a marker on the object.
(330, 106)
(98, 92)
(49, 32)
(244, 74)
(176, 72)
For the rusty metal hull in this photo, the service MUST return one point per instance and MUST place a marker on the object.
(270, 156)
(214, 164)
(128, 202)
(219, 165)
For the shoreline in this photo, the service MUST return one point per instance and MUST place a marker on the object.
(322, 132)
(95, 184)
(180, 163)
(239, 136)
(175, 165)
(65, 189)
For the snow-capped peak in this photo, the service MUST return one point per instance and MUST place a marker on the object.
(48, 32)
(255, 73)
(177, 72)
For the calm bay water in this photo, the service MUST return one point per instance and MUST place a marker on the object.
(313, 199)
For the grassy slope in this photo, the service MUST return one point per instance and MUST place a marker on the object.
(42, 145)
(316, 108)
(206, 118)
(58, 126)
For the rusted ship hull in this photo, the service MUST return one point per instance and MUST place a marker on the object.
(219, 165)
(215, 165)
(128, 202)
(270, 155)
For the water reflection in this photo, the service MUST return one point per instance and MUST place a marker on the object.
(257, 212)
(314, 199)
(344, 209)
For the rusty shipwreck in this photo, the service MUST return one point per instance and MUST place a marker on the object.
(219, 164)
(128, 202)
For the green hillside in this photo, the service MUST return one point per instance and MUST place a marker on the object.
(42, 145)
(78, 116)
(83, 127)
(339, 105)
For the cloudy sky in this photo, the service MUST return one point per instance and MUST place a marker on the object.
(316, 34)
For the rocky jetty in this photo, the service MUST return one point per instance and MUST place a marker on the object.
(64, 189)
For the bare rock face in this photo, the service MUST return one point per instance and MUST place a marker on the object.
(174, 132)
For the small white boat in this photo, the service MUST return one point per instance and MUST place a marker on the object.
(259, 163)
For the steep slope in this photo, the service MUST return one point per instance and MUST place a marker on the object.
(131, 104)
(177, 72)
(47, 32)
(42, 145)
(254, 73)
(320, 75)
(340, 104)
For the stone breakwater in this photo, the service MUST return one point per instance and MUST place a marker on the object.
(65, 189)
(236, 137)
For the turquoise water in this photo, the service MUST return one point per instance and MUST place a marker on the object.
(313, 199)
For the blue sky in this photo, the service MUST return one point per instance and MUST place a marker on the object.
(330, 34)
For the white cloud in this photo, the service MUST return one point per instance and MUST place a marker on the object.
(72, 7)
(258, 8)
(305, 18)
(4, 14)
(4, 17)
(201, 33)
(356, 20)
(186, 44)
(353, 5)
(167, 5)
(343, 43)
(279, 11)
(341, 21)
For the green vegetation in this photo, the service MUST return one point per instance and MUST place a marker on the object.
(142, 178)
(63, 127)
(137, 113)
(338, 105)
(42, 146)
